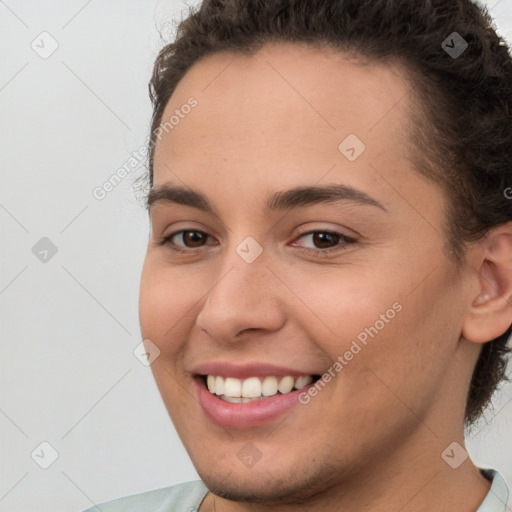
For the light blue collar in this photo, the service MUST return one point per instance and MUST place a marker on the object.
(497, 497)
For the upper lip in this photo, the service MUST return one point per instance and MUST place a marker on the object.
(242, 371)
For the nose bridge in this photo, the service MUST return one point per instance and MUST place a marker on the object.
(244, 266)
(241, 297)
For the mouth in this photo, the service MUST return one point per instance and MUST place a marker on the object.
(254, 389)
(252, 394)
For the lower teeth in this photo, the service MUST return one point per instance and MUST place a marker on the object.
(241, 399)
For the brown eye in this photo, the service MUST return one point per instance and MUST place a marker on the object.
(324, 242)
(193, 238)
(325, 239)
(185, 239)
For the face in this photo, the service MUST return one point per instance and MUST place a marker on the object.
(270, 283)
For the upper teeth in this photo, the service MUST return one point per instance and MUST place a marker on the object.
(254, 387)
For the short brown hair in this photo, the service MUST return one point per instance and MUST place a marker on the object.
(461, 127)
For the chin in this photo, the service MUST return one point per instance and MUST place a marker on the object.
(270, 485)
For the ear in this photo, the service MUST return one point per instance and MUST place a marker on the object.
(490, 313)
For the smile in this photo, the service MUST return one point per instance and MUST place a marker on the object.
(231, 389)
(271, 397)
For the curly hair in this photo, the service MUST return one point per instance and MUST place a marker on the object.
(461, 117)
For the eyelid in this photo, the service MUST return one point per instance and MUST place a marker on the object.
(340, 246)
(166, 240)
(330, 231)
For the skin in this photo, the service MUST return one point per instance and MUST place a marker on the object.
(372, 439)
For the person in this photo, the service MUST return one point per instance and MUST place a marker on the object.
(326, 297)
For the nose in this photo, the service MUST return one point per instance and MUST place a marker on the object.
(246, 296)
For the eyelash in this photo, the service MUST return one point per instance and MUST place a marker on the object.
(315, 252)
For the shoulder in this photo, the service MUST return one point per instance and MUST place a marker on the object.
(176, 498)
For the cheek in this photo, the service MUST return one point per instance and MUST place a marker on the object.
(337, 308)
(378, 327)
(166, 305)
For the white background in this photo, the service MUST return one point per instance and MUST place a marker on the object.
(69, 326)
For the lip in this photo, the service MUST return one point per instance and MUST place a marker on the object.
(248, 415)
(244, 371)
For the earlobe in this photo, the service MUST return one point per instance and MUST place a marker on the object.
(490, 313)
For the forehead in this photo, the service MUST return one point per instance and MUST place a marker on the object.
(281, 116)
(286, 95)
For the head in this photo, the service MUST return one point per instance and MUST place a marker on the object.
(410, 272)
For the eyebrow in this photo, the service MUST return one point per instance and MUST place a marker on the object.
(283, 200)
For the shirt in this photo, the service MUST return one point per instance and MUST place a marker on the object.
(188, 496)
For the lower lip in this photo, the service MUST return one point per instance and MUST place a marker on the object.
(250, 414)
